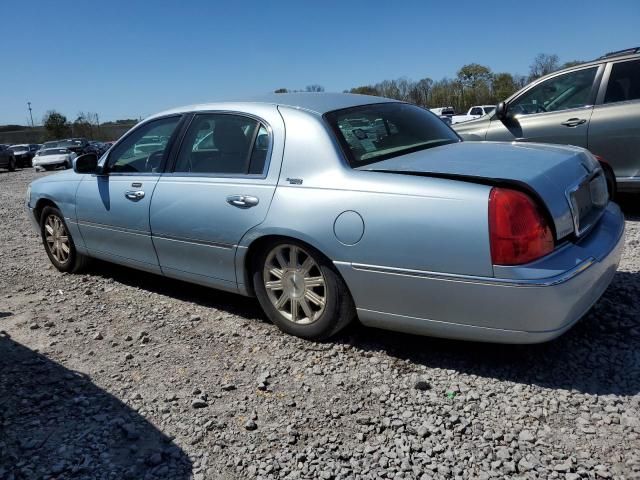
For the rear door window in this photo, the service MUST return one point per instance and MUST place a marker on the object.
(223, 144)
(624, 82)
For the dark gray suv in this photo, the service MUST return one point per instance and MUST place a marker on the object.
(595, 105)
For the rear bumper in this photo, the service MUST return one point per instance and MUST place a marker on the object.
(529, 304)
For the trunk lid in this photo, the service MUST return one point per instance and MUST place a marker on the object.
(566, 179)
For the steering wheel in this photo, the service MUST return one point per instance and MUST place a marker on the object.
(153, 161)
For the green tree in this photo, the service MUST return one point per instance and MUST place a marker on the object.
(504, 85)
(314, 88)
(281, 90)
(475, 83)
(56, 125)
(364, 90)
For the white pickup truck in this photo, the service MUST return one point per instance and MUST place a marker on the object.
(474, 112)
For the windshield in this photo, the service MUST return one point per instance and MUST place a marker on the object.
(54, 151)
(19, 148)
(372, 133)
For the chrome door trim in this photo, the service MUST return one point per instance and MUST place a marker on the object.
(194, 241)
(112, 227)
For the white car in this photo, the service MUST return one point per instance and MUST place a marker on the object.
(49, 158)
(474, 112)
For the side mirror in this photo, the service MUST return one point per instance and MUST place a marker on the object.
(502, 111)
(87, 163)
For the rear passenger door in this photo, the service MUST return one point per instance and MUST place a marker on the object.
(220, 186)
(614, 132)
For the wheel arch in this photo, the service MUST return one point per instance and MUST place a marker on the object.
(256, 243)
(40, 206)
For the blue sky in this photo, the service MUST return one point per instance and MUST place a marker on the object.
(133, 58)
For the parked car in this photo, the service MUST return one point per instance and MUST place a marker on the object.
(595, 105)
(79, 146)
(24, 153)
(416, 231)
(50, 144)
(474, 112)
(7, 158)
(50, 158)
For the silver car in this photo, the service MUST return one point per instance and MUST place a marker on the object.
(595, 105)
(292, 200)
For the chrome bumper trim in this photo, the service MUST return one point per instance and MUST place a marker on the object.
(454, 277)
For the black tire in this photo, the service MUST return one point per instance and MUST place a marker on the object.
(12, 164)
(612, 184)
(339, 309)
(75, 262)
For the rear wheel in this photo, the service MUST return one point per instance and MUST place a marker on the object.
(58, 242)
(300, 291)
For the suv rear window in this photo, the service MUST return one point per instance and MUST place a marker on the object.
(371, 133)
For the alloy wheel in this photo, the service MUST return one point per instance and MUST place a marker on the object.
(295, 284)
(57, 239)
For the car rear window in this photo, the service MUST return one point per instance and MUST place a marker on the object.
(371, 133)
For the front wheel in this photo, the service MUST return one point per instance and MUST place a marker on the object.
(300, 290)
(12, 164)
(58, 243)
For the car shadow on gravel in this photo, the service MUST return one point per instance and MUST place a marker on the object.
(55, 423)
(630, 205)
(593, 357)
(600, 355)
(185, 291)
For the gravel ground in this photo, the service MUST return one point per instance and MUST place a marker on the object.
(119, 374)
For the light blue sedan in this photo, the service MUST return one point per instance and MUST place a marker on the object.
(331, 207)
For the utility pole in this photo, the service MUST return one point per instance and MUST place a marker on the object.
(30, 114)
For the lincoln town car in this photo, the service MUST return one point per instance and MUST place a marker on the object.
(334, 207)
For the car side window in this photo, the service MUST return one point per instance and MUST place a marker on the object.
(476, 111)
(624, 82)
(225, 144)
(571, 90)
(143, 150)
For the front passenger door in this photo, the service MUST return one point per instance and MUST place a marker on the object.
(113, 208)
(557, 110)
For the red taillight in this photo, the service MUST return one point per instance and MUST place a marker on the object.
(518, 231)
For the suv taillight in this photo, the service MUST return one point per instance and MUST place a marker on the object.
(518, 231)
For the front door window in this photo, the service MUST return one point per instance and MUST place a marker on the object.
(571, 90)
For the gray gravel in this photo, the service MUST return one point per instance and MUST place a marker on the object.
(119, 374)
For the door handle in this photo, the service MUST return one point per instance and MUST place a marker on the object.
(134, 195)
(242, 201)
(574, 122)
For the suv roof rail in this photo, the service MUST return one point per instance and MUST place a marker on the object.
(619, 53)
